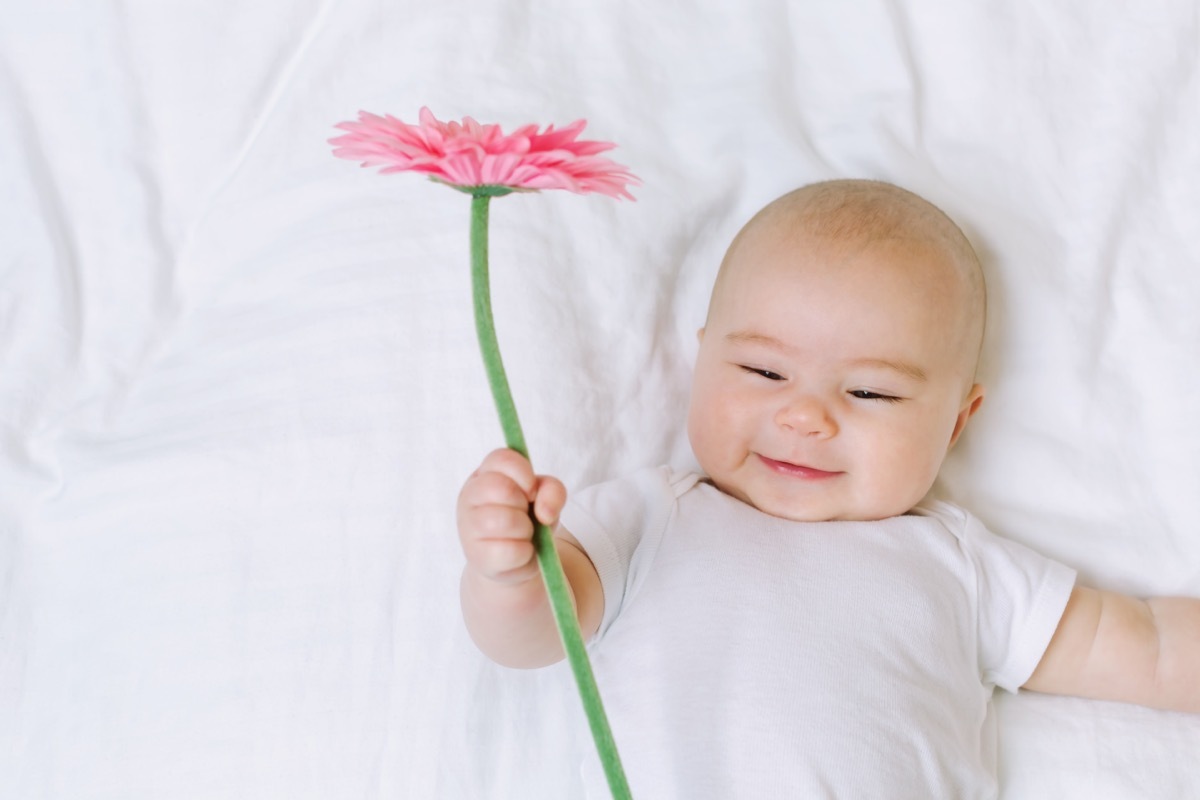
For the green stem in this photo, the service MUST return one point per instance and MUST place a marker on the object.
(543, 538)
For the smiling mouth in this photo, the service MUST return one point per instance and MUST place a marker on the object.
(798, 470)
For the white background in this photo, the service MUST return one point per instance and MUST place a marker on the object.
(239, 386)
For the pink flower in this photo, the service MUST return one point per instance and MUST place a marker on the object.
(467, 155)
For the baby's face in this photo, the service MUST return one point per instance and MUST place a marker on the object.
(831, 380)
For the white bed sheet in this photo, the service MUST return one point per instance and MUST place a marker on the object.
(239, 386)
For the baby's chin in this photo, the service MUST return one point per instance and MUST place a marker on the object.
(798, 511)
(828, 515)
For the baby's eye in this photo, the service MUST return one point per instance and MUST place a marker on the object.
(865, 394)
(766, 373)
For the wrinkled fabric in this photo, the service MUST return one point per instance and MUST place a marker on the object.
(239, 386)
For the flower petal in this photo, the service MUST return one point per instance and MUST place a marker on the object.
(468, 153)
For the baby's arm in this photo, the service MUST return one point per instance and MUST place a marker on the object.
(504, 601)
(1112, 647)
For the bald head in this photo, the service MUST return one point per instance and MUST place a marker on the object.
(845, 218)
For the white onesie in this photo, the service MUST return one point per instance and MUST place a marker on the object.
(746, 656)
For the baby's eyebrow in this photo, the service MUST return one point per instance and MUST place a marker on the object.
(750, 337)
(902, 367)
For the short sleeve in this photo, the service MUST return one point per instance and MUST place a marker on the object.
(1021, 596)
(620, 524)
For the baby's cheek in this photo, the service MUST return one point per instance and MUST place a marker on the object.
(708, 441)
(715, 429)
(698, 427)
(924, 464)
(906, 472)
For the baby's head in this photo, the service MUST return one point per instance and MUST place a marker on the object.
(837, 365)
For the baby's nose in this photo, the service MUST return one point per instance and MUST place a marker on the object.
(807, 416)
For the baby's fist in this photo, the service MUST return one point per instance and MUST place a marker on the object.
(493, 516)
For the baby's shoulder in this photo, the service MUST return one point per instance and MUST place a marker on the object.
(979, 543)
(649, 486)
(954, 518)
(629, 505)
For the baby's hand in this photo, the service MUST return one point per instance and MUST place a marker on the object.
(493, 516)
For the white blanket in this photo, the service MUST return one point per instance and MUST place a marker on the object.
(239, 386)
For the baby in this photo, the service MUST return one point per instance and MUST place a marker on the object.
(801, 620)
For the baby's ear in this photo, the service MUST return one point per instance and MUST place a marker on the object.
(970, 405)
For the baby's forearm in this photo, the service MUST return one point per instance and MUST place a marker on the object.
(511, 623)
(1111, 646)
(1177, 620)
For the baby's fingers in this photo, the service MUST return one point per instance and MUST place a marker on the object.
(494, 522)
(512, 465)
(502, 559)
(491, 488)
(506, 478)
(549, 498)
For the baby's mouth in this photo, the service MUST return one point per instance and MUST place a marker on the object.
(797, 470)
